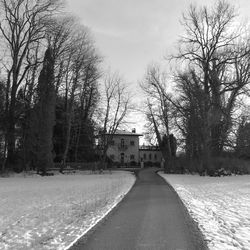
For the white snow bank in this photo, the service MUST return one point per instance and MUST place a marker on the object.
(221, 206)
(52, 212)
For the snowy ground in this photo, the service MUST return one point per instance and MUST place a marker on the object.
(52, 212)
(220, 205)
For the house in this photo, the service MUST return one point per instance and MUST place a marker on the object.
(150, 155)
(124, 149)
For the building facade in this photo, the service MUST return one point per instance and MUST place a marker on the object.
(124, 149)
(150, 155)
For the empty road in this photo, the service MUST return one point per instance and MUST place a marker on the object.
(150, 217)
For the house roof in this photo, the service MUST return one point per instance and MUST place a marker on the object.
(149, 148)
(125, 132)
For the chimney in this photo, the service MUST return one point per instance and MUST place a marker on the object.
(134, 130)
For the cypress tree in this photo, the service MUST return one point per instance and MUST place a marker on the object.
(46, 113)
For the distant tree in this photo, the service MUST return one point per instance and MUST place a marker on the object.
(84, 125)
(159, 112)
(2, 126)
(169, 143)
(2, 103)
(81, 77)
(243, 139)
(190, 114)
(83, 146)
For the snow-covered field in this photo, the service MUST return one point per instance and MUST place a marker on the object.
(220, 205)
(52, 212)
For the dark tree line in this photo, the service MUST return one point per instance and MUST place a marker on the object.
(49, 89)
(54, 96)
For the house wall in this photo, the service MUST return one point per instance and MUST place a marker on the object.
(121, 144)
(150, 155)
(114, 151)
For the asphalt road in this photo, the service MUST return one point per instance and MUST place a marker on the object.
(150, 217)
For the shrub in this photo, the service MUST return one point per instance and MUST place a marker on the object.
(220, 166)
(234, 165)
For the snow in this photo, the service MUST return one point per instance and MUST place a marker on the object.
(220, 205)
(53, 212)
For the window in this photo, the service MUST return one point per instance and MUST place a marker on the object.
(150, 156)
(122, 143)
(144, 156)
(155, 156)
(122, 158)
(132, 143)
(132, 157)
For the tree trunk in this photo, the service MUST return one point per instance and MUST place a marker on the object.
(68, 132)
(11, 135)
(78, 134)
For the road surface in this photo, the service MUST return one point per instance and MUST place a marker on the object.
(150, 217)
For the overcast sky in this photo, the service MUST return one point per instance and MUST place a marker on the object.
(131, 34)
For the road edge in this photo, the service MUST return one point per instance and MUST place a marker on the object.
(85, 235)
(197, 235)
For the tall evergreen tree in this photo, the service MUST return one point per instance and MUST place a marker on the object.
(46, 113)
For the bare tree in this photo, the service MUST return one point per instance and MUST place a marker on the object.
(190, 115)
(217, 55)
(88, 100)
(242, 147)
(2, 125)
(79, 78)
(117, 104)
(159, 112)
